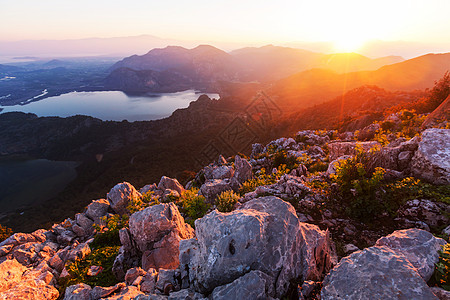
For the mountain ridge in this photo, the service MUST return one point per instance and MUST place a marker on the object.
(206, 64)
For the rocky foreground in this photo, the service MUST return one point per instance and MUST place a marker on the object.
(278, 242)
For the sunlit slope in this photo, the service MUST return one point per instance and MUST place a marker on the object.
(316, 86)
(274, 62)
(353, 62)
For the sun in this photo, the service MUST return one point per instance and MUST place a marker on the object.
(348, 44)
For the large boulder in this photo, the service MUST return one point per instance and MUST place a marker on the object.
(375, 273)
(434, 214)
(211, 188)
(253, 285)
(264, 234)
(153, 238)
(167, 183)
(78, 291)
(418, 246)
(22, 238)
(439, 115)
(338, 149)
(99, 292)
(441, 293)
(153, 223)
(310, 137)
(128, 292)
(184, 295)
(395, 156)
(97, 209)
(431, 161)
(243, 172)
(218, 172)
(120, 196)
(84, 222)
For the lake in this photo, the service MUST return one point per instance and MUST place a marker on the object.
(25, 182)
(110, 105)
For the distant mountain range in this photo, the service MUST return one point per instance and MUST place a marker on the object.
(128, 45)
(202, 67)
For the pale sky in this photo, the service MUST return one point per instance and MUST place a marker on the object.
(347, 23)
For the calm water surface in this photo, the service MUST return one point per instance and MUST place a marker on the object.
(110, 105)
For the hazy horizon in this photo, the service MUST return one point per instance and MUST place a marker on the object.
(141, 44)
(403, 28)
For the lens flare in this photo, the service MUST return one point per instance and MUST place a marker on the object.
(348, 44)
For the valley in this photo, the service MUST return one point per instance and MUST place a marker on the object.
(28, 82)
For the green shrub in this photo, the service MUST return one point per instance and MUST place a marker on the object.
(408, 128)
(411, 122)
(398, 192)
(250, 186)
(282, 158)
(442, 271)
(381, 137)
(301, 139)
(78, 269)
(305, 159)
(170, 198)
(5, 232)
(357, 186)
(436, 95)
(387, 125)
(318, 185)
(138, 204)
(109, 235)
(105, 248)
(193, 205)
(226, 200)
(318, 166)
(262, 178)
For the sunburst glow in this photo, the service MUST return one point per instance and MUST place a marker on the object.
(348, 44)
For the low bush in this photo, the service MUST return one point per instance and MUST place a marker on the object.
(357, 186)
(109, 234)
(105, 248)
(5, 232)
(147, 199)
(282, 158)
(226, 200)
(262, 178)
(442, 271)
(318, 166)
(362, 191)
(408, 128)
(78, 270)
(409, 188)
(193, 205)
